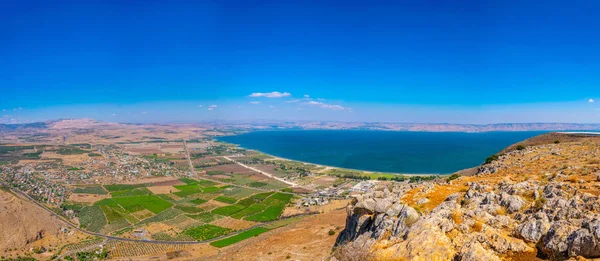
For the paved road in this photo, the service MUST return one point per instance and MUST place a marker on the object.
(264, 173)
(193, 172)
(187, 154)
(75, 227)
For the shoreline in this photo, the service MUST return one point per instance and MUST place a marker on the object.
(334, 167)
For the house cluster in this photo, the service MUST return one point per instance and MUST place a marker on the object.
(26, 179)
(363, 186)
(312, 201)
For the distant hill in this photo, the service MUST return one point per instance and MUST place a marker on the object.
(320, 125)
(14, 127)
(433, 127)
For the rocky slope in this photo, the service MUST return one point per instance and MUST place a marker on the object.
(22, 223)
(541, 202)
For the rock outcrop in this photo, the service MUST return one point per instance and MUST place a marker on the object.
(524, 203)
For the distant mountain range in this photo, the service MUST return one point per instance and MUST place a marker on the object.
(319, 125)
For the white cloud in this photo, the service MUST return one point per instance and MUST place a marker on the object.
(114, 114)
(591, 101)
(270, 94)
(200, 106)
(306, 96)
(292, 101)
(213, 106)
(271, 106)
(254, 102)
(334, 107)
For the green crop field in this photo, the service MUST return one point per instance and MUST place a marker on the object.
(71, 151)
(188, 209)
(111, 214)
(257, 184)
(282, 196)
(239, 237)
(198, 201)
(92, 218)
(207, 231)
(188, 192)
(251, 210)
(106, 201)
(119, 187)
(90, 190)
(131, 193)
(150, 202)
(228, 210)
(261, 196)
(227, 200)
(188, 181)
(269, 214)
(211, 189)
(165, 197)
(247, 202)
(188, 186)
(238, 192)
(205, 217)
(165, 215)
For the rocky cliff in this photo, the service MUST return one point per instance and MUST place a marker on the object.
(538, 203)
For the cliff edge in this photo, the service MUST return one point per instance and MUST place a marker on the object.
(536, 202)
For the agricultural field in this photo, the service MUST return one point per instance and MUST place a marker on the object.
(261, 207)
(207, 231)
(198, 210)
(239, 237)
(99, 190)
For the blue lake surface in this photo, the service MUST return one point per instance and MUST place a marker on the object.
(383, 151)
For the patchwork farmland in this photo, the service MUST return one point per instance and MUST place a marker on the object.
(180, 210)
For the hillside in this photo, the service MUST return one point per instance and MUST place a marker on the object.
(537, 203)
(23, 223)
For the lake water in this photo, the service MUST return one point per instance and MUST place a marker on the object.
(382, 151)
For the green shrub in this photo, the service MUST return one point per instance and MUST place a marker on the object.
(491, 159)
(520, 147)
(453, 177)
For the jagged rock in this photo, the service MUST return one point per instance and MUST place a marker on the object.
(489, 198)
(555, 242)
(533, 230)
(583, 243)
(382, 205)
(512, 203)
(425, 241)
(394, 210)
(475, 252)
(367, 204)
(422, 201)
(452, 197)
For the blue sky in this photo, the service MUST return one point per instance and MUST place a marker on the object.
(394, 61)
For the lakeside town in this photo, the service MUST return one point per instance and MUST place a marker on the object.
(111, 183)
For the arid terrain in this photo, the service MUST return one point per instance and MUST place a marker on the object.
(89, 190)
(82, 189)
